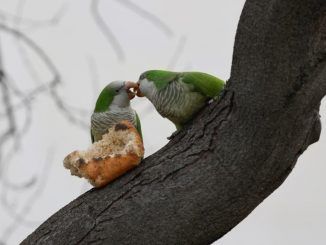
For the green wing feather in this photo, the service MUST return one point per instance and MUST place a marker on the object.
(92, 137)
(104, 99)
(203, 83)
(103, 102)
(138, 125)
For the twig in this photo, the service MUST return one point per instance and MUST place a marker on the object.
(54, 82)
(31, 23)
(106, 30)
(93, 75)
(149, 16)
(11, 122)
(177, 53)
(19, 218)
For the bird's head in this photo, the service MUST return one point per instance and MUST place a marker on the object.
(157, 78)
(141, 79)
(117, 93)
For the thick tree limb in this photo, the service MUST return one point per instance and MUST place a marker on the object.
(232, 156)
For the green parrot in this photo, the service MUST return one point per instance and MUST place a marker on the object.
(178, 95)
(113, 106)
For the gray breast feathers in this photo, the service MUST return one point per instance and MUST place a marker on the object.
(177, 101)
(102, 121)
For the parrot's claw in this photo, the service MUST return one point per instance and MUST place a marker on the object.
(173, 135)
(216, 98)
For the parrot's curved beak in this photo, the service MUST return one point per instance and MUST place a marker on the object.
(138, 92)
(131, 85)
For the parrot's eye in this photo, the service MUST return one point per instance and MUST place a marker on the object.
(118, 89)
(142, 76)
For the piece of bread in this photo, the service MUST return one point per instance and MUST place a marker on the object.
(120, 150)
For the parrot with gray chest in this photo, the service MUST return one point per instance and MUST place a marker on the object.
(178, 96)
(112, 107)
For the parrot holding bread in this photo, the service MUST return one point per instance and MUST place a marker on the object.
(112, 107)
(178, 95)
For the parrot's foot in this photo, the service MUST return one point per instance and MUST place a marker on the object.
(173, 135)
(216, 98)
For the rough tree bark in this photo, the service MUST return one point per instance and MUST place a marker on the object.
(232, 156)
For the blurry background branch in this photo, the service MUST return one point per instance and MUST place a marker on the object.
(11, 139)
(157, 22)
(20, 95)
(104, 27)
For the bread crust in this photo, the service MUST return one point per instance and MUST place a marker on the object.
(119, 151)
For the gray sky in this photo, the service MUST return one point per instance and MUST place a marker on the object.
(178, 35)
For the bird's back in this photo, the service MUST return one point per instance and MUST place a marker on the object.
(206, 84)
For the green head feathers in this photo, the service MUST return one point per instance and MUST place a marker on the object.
(159, 77)
(107, 95)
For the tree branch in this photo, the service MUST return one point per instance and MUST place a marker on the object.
(232, 156)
